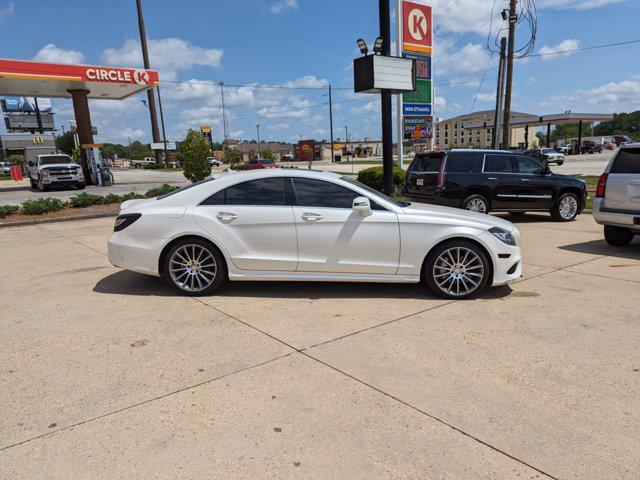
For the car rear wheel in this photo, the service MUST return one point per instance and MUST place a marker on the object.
(617, 236)
(41, 186)
(476, 203)
(566, 208)
(457, 269)
(194, 267)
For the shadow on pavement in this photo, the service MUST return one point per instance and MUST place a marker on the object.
(131, 283)
(538, 217)
(600, 247)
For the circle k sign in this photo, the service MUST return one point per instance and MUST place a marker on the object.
(417, 28)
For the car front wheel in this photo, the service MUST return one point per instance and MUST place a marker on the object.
(194, 267)
(457, 269)
(476, 203)
(566, 208)
(617, 236)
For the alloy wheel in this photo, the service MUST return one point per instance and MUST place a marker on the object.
(477, 205)
(568, 207)
(192, 267)
(458, 271)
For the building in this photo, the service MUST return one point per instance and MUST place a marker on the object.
(26, 144)
(249, 148)
(476, 130)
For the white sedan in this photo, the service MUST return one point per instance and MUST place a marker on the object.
(289, 225)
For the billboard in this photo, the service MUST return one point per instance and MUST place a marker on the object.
(417, 31)
(417, 128)
(28, 122)
(25, 104)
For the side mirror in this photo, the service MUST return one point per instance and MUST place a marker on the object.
(362, 205)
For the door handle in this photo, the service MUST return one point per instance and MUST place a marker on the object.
(226, 217)
(311, 217)
(525, 180)
(492, 178)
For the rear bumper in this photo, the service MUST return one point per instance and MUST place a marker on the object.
(614, 218)
(136, 254)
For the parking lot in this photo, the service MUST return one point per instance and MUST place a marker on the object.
(106, 372)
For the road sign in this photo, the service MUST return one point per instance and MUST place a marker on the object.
(417, 27)
(160, 146)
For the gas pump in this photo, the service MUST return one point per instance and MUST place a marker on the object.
(100, 173)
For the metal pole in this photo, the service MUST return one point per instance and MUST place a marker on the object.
(579, 137)
(224, 112)
(258, 128)
(548, 135)
(164, 133)
(385, 100)
(331, 124)
(497, 120)
(145, 58)
(399, 130)
(513, 19)
(38, 117)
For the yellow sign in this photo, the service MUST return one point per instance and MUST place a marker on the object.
(206, 128)
(38, 140)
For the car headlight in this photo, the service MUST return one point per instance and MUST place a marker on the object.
(503, 235)
(45, 173)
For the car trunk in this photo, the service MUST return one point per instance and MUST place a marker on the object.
(422, 176)
(623, 182)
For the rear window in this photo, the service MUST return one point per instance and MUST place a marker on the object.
(627, 161)
(426, 163)
(464, 162)
(498, 164)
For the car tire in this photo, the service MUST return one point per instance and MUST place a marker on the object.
(457, 269)
(476, 203)
(566, 208)
(42, 187)
(34, 185)
(137, 165)
(81, 186)
(561, 162)
(194, 267)
(617, 236)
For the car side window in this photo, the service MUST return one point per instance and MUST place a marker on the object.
(498, 164)
(318, 193)
(264, 191)
(527, 165)
(426, 163)
(627, 161)
(467, 162)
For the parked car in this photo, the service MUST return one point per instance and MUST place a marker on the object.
(287, 158)
(493, 180)
(565, 149)
(617, 202)
(548, 154)
(213, 162)
(145, 161)
(5, 168)
(310, 226)
(610, 146)
(54, 170)
(257, 163)
(591, 148)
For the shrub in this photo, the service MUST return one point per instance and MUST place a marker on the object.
(16, 159)
(195, 150)
(112, 198)
(38, 206)
(155, 166)
(161, 190)
(83, 200)
(373, 178)
(231, 156)
(6, 210)
(130, 196)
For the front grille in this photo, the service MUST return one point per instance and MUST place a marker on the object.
(62, 171)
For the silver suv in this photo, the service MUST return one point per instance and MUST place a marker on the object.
(617, 203)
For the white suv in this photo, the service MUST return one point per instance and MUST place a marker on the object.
(617, 203)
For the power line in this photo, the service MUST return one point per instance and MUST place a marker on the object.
(481, 82)
(593, 47)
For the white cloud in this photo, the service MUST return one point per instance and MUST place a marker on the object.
(278, 126)
(576, 4)
(236, 134)
(563, 46)
(168, 55)
(282, 5)
(472, 57)
(51, 53)
(296, 108)
(486, 97)
(530, 80)
(308, 81)
(623, 96)
(7, 11)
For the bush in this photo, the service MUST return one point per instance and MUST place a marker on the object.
(112, 198)
(231, 156)
(155, 166)
(38, 206)
(373, 178)
(129, 196)
(6, 210)
(16, 159)
(83, 200)
(195, 150)
(161, 190)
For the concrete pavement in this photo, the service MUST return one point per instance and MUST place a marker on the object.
(109, 374)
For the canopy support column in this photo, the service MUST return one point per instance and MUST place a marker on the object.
(84, 129)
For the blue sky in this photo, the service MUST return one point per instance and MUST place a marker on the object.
(308, 43)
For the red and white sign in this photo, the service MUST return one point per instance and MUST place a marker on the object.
(416, 27)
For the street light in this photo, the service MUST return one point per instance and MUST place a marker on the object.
(363, 46)
(377, 47)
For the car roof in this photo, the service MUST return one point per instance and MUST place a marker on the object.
(479, 150)
(630, 145)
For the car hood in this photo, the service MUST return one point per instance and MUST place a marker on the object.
(465, 217)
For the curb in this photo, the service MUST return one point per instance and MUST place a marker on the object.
(22, 223)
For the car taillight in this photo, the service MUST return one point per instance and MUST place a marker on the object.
(602, 185)
(124, 220)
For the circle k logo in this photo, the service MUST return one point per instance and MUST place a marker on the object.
(141, 77)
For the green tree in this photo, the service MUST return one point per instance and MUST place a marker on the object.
(231, 156)
(16, 159)
(268, 154)
(217, 146)
(621, 124)
(140, 150)
(195, 150)
(112, 149)
(65, 143)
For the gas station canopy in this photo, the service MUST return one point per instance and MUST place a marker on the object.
(553, 119)
(51, 80)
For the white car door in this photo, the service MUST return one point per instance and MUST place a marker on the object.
(333, 238)
(254, 223)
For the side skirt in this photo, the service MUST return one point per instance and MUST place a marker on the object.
(321, 277)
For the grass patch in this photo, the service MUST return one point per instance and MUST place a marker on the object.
(591, 180)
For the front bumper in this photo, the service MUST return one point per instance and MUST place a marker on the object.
(63, 180)
(506, 259)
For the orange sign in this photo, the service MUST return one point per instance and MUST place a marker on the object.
(417, 31)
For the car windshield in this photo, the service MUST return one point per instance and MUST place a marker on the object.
(548, 150)
(266, 162)
(376, 193)
(186, 187)
(50, 160)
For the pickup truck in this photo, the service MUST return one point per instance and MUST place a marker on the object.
(143, 162)
(54, 170)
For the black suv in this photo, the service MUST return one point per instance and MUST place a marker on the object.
(485, 180)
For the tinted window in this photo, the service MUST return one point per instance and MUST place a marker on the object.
(265, 191)
(627, 161)
(527, 165)
(426, 163)
(458, 162)
(316, 193)
(498, 164)
(186, 187)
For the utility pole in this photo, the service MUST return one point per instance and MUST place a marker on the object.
(499, 94)
(145, 58)
(331, 125)
(346, 141)
(385, 100)
(258, 129)
(164, 133)
(224, 112)
(513, 19)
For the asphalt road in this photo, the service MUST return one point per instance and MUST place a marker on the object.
(139, 181)
(109, 374)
